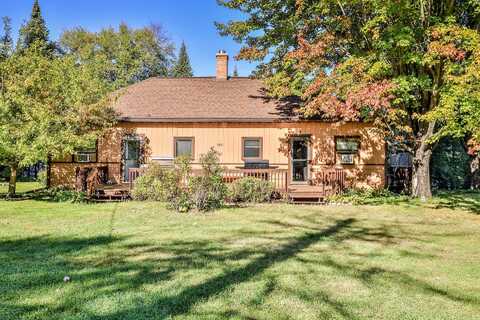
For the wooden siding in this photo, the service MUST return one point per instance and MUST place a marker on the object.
(226, 138)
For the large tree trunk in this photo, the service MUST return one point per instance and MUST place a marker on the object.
(12, 185)
(421, 182)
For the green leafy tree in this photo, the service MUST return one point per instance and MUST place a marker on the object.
(182, 67)
(35, 31)
(410, 66)
(450, 165)
(6, 41)
(124, 56)
(48, 107)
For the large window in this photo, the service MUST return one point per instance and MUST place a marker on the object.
(252, 148)
(87, 154)
(184, 147)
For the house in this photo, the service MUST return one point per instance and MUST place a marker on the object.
(161, 118)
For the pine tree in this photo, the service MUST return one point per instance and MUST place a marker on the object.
(6, 41)
(35, 30)
(182, 68)
(235, 71)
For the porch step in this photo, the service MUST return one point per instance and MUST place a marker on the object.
(306, 194)
(96, 200)
(311, 203)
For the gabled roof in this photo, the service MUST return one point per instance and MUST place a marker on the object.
(202, 99)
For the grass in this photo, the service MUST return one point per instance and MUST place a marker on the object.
(22, 187)
(139, 261)
(465, 200)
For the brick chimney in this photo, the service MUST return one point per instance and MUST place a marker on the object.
(222, 65)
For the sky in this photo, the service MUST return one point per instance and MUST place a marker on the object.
(191, 21)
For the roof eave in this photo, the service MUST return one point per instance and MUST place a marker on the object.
(179, 120)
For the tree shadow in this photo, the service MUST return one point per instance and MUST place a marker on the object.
(119, 266)
(466, 200)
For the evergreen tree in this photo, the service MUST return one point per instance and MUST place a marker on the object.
(6, 41)
(182, 68)
(34, 30)
(235, 71)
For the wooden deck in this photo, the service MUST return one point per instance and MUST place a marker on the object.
(324, 184)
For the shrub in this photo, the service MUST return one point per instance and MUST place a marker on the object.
(208, 190)
(61, 194)
(152, 184)
(166, 185)
(177, 186)
(180, 188)
(251, 190)
(358, 196)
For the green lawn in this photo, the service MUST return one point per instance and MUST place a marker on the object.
(22, 187)
(139, 261)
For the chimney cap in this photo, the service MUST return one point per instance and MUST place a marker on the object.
(221, 52)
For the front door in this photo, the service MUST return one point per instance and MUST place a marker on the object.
(299, 152)
(131, 156)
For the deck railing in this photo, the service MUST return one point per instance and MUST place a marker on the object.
(278, 177)
(330, 180)
(133, 174)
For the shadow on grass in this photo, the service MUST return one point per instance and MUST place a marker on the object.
(467, 200)
(30, 264)
(463, 200)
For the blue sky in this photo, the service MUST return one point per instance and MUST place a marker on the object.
(188, 20)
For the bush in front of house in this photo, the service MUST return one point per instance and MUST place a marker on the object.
(151, 186)
(165, 185)
(181, 189)
(251, 190)
(177, 186)
(62, 194)
(208, 189)
(361, 196)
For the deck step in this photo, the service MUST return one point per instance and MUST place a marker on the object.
(311, 203)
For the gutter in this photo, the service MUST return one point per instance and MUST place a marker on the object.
(174, 120)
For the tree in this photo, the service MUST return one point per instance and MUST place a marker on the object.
(34, 31)
(124, 56)
(450, 165)
(182, 68)
(6, 41)
(410, 66)
(48, 107)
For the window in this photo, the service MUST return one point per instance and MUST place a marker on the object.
(252, 148)
(184, 147)
(131, 149)
(347, 148)
(347, 145)
(86, 155)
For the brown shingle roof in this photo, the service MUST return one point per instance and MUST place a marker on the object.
(201, 99)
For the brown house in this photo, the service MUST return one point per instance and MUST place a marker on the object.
(161, 118)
